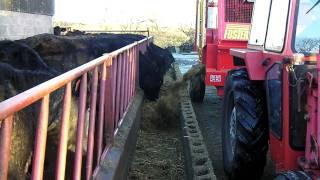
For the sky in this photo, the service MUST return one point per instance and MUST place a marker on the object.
(308, 22)
(166, 12)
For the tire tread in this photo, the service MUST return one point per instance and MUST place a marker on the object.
(252, 127)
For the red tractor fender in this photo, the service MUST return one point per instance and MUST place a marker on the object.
(255, 62)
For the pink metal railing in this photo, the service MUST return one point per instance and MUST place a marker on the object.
(117, 81)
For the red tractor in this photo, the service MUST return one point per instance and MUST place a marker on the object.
(220, 26)
(272, 95)
(269, 87)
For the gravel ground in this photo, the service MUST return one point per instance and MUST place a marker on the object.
(209, 117)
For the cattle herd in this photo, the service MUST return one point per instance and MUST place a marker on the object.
(28, 62)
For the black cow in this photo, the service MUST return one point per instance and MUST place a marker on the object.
(21, 56)
(57, 30)
(75, 33)
(150, 79)
(152, 67)
(65, 53)
(19, 72)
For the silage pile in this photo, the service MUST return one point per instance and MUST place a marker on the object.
(159, 152)
(164, 113)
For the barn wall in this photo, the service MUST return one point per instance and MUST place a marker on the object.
(23, 18)
(44, 7)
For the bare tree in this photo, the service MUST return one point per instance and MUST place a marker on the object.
(307, 45)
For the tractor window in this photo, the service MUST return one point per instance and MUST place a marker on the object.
(277, 25)
(259, 22)
(307, 35)
(274, 98)
(212, 17)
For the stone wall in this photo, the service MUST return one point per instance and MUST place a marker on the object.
(24, 18)
(17, 25)
(45, 7)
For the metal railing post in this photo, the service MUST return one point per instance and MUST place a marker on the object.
(114, 92)
(92, 120)
(109, 126)
(63, 142)
(80, 128)
(122, 87)
(41, 140)
(126, 84)
(5, 146)
(102, 87)
(118, 90)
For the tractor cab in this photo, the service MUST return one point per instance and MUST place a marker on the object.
(287, 27)
(271, 98)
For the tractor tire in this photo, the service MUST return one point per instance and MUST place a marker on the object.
(245, 127)
(197, 88)
(293, 175)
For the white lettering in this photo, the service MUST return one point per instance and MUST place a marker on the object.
(215, 78)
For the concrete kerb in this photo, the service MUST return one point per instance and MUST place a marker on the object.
(115, 164)
(197, 162)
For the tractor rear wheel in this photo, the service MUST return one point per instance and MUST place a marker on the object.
(245, 127)
(293, 175)
(197, 88)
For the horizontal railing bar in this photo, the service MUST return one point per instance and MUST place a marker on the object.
(121, 50)
(32, 95)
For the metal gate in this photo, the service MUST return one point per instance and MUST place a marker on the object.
(116, 75)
